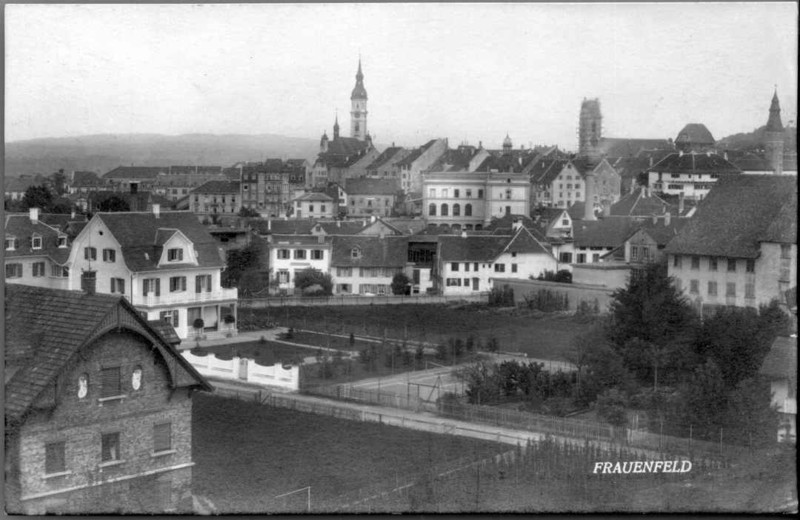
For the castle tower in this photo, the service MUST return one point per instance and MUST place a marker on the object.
(773, 137)
(507, 145)
(358, 110)
(590, 129)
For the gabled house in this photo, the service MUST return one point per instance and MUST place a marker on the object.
(418, 161)
(780, 367)
(371, 197)
(314, 205)
(216, 199)
(35, 253)
(290, 254)
(385, 165)
(165, 263)
(554, 222)
(98, 408)
(691, 174)
(366, 264)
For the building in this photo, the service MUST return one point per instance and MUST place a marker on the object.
(15, 187)
(98, 408)
(543, 177)
(358, 108)
(266, 188)
(647, 242)
(131, 179)
(593, 239)
(780, 367)
(694, 137)
(590, 129)
(165, 263)
(418, 161)
(314, 205)
(367, 264)
(740, 247)
(469, 200)
(774, 136)
(386, 165)
(290, 254)
(570, 185)
(371, 197)
(83, 182)
(216, 199)
(35, 253)
(691, 174)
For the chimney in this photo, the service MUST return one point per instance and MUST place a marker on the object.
(667, 218)
(651, 161)
(588, 213)
(680, 204)
(34, 214)
(157, 210)
(516, 224)
(89, 282)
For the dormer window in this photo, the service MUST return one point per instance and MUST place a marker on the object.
(175, 254)
(11, 243)
(62, 241)
(36, 242)
(355, 253)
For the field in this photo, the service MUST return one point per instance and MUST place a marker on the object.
(545, 336)
(246, 454)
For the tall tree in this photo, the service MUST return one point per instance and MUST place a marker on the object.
(37, 197)
(113, 203)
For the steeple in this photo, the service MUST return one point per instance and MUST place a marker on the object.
(358, 107)
(336, 127)
(507, 144)
(774, 123)
(359, 92)
(774, 136)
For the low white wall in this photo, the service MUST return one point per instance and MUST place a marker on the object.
(244, 369)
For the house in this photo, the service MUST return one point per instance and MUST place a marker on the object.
(692, 174)
(290, 254)
(367, 264)
(98, 408)
(131, 179)
(554, 222)
(642, 203)
(740, 247)
(694, 137)
(418, 161)
(542, 178)
(368, 197)
(780, 367)
(84, 182)
(135, 200)
(15, 187)
(592, 239)
(465, 158)
(165, 264)
(35, 253)
(385, 166)
(570, 184)
(266, 188)
(314, 205)
(216, 199)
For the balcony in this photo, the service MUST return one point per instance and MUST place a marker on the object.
(186, 297)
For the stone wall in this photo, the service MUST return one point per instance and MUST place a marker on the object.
(576, 293)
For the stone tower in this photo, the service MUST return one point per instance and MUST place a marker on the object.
(358, 110)
(508, 145)
(590, 129)
(773, 137)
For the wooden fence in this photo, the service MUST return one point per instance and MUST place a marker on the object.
(284, 301)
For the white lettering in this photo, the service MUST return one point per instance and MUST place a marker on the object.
(668, 466)
(597, 465)
(658, 465)
(617, 468)
(637, 466)
(627, 467)
(685, 468)
(606, 467)
(648, 466)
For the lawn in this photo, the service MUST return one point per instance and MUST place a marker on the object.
(269, 351)
(546, 336)
(245, 454)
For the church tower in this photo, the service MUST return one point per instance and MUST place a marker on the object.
(590, 128)
(773, 137)
(358, 110)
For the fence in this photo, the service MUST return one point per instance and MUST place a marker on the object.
(576, 293)
(363, 395)
(243, 369)
(285, 301)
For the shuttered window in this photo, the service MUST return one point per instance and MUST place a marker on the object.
(151, 285)
(202, 283)
(177, 284)
(110, 382)
(110, 447)
(162, 437)
(54, 458)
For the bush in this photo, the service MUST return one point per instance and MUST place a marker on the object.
(198, 323)
(501, 297)
(401, 284)
(317, 282)
(611, 406)
(546, 300)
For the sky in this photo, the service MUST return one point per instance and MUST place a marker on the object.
(468, 72)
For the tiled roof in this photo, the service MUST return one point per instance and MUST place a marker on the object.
(166, 331)
(281, 227)
(623, 147)
(46, 329)
(577, 209)
(694, 163)
(374, 251)
(525, 241)
(695, 133)
(82, 178)
(314, 196)
(605, 232)
(471, 248)
(137, 234)
(342, 227)
(345, 146)
(406, 226)
(515, 162)
(385, 157)
(219, 187)
(414, 155)
(20, 227)
(637, 203)
(188, 169)
(781, 360)
(660, 232)
(546, 171)
(135, 172)
(307, 240)
(455, 160)
(371, 186)
(61, 221)
(18, 184)
(739, 212)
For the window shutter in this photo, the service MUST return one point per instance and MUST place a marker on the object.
(180, 254)
(183, 283)
(85, 253)
(145, 287)
(208, 283)
(158, 286)
(198, 283)
(113, 285)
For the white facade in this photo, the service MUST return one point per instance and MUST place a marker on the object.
(288, 255)
(363, 280)
(694, 186)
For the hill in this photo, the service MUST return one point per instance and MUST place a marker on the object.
(755, 139)
(102, 153)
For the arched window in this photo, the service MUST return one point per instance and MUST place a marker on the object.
(432, 210)
(445, 211)
(456, 210)
(468, 227)
(478, 227)
(468, 210)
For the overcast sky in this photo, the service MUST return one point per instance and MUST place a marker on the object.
(464, 71)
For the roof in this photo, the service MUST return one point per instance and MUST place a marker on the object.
(371, 186)
(546, 171)
(781, 360)
(385, 157)
(47, 328)
(135, 172)
(455, 160)
(83, 178)
(140, 201)
(524, 241)
(281, 227)
(638, 204)
(774, 123)
(694, 163)
(308, 240)
(20, 227)
(314, 196)
(389, 251)
(752, 162)
(739, 212)
(660, 232)
(406, 226)
(61, 221)
(625, 147)
(137, 234)
(18, 184)
(605, 232)
(199, 170)
(516, 161)
(696, 134)
(219, 187)
(483, 248)
(341, 227)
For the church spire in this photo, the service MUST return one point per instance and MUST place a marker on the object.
(359, 92)
(774, 123)
(336, 126)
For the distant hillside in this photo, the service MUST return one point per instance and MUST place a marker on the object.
(755, 139)
(102, 153)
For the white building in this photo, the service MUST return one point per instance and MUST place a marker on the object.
(35, 253)
(314, 205)
(366, 264)
(690, 174)
(290, 254)
(780, 367)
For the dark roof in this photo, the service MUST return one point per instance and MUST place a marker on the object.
(18, 184)
(140, 201)
(471, 248)
(46, 329)
(660, 232)
(739, 212)
(505, 226)
(281, 227)
(83, 178)
(605, 232)
(455, 160)
(546, 171)
(525, 241)
(61, 221)
(342, 227)
(752, 162)
(135, 172)
(20, 227)
(516, 161)
(623, 147)
(389, 251)
(166, 331)
(695, 134)
(781, 360)
(219, 187)
(638, 204)
(406, 226)
(694, 163)
(385, 157)
(137, 234)
(316, 240)
(774, 123)
(188, 169)
(371, 186)
(314, 195)
(345, 146)
(577, 209)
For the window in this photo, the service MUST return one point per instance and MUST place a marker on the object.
(750, 290)
(634, 253)
(202, 283)
(475, 267)
(750, 266)
(13, 270)
(109, 255)
(469, 194)
(36, 242)
(177, 284)
(596, 257)
(38, 269)
(480, 194)
(513, 268)
(317, 254)
(454, 266)
(786, 251)
(577, 195)
(151, 285)
(169, 317)
(456, 193)
(695, 262)
(299, 254)
(322, 208)
(90, 253)
(676, 261)
(694, 286)
(730, 289)
(109, 451)
(731, 265)
(11, 243)
(565, 258)
(445, 211)
(62, 241)
(174, 255)
(581, 258)
(712, 288)
(468, 210)
(456, 210)
(466, 267)
(311, 208)
(283, 276)
(118, 285)
(162, 437)
(283, 254)
(499, 268)
(645, 254)
(445, 193)
(432, 210)
(712, 263)
(110, 383)
(55, 458)
(344, 271)
(355, 253)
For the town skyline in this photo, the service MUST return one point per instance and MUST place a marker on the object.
(143, 69)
